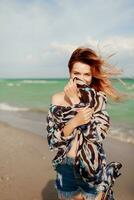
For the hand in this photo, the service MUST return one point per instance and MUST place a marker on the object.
(72, 91)
(83, 116)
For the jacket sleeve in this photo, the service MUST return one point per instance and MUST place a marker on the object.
(96, 130)
(101, 119)
(55, 135)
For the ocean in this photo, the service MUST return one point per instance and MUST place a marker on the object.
(24, 104)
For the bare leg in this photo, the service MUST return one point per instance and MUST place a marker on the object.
(77, 197)
(99, 197)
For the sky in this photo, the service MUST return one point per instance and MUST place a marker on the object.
(37, 37)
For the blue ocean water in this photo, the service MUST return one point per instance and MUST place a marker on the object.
(26, 95)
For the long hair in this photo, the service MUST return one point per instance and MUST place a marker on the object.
(100, 71)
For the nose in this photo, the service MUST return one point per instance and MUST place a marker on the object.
(81, 77)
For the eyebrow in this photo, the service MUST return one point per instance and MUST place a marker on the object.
(84, 73)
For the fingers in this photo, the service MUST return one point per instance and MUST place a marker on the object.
(73, 85)
(87, 118)
(89, 110)
(71, 88)
(86, 113)
(86, 109)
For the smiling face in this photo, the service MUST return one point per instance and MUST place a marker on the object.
(82, 71)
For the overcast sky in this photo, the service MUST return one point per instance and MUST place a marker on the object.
(37, 37)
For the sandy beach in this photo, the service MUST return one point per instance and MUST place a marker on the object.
(26, 172)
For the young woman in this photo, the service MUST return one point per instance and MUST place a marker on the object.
(77, 123)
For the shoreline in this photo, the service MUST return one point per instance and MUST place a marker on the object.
(26, 171)
(35, 122)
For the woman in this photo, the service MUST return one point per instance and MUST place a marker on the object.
(77, 123)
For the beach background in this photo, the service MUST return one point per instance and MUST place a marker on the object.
(25, 160)
(23, 104)
(37, 38)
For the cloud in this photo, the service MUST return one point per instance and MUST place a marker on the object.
(63, 47)
(42, 34)
(123, 47)
(108, 45)
(120, 43)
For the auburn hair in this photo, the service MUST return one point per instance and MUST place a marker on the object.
(100, 70)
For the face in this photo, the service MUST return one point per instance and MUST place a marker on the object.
(82, 71)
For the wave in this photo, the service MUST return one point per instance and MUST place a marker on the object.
(122, 136)
(39, 81)
(7, 107)
(12, 84)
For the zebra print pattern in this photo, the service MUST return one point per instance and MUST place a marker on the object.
(90, 160)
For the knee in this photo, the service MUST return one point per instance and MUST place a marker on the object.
(79, 197)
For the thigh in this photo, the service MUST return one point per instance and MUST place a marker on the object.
(79, 197)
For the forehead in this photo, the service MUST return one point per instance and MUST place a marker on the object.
(81, 67)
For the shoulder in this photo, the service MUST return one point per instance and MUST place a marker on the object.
(57, 98)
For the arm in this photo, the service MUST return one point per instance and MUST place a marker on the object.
(59, 134)
(99, 124)
(69, 127)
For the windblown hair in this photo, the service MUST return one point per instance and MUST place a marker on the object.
(100, 71)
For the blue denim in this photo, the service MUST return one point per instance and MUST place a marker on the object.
(69, 183)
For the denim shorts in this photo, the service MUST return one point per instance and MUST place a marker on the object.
(68, 182)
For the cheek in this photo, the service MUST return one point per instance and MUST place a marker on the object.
(88, 79)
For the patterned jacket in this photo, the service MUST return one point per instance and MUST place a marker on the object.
(90, 160)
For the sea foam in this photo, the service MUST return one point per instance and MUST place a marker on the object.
(7, 107)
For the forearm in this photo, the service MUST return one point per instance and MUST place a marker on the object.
(69, 127)
(71, 124)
